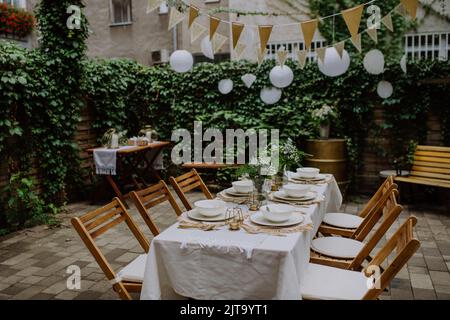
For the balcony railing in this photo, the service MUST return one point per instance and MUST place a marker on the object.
(292, 47)
(433, 45)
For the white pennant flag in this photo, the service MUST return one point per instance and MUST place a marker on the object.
(218, 41)
(239, 50)
(197, 30)
(175, 17)
(152, 5)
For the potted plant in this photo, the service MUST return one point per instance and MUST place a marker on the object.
(323, 116)
(17, 23)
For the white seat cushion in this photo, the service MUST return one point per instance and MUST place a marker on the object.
(328, 283)
(337, 247)
(134, 271)
(342, 220)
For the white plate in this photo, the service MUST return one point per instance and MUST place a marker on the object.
(195, 215)
(297, 176)
(234, 193)
(310, 195)
(258, 218)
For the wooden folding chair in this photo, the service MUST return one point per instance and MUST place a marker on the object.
(95, 223)
(350, 253)
(150, 197)
(324, 282)
(348, 225)
(187, 182)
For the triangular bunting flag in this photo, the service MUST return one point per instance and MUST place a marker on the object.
(352, 18)
(213, 25)
(411, 7)
(373, 34)
(152, 5)
(218, 41)
(308, 30)
(387, 21)
(264, 35)
(282, 55)
(400, 9)
(301, 57)
(239, 50)
(340, 46)
(193, 14)
(236, 30)
(321, 53)
(175, 17)
(197, 30)
(261, 55)
(356, 40)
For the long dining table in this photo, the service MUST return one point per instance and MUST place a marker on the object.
(225, 264)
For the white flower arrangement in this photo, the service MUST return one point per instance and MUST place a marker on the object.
(325, 113)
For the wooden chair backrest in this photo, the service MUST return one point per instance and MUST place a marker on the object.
(187, 182)
(150, 197)
(405, 245)
(95, 223)
(384, 188)
(432, 163)
(388, 214)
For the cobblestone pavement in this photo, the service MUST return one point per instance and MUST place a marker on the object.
(33, 262)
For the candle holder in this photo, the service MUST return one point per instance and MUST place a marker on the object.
(234, 218)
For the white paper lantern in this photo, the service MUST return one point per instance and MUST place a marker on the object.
(248, 79)
(374, 62)
(385, 89)
(181, 61)
(270, 95)
(281, 76)
(225, 86)
(403, 63)
(207, 48)
(334, 66)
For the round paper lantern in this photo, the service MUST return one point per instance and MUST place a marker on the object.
(281, 76)
(403, 63)
(385, 89)
(374, 62)
(181, 61)
(207, 48)
(270, 95)
(225, 86)
(334, 66)
(248, 79)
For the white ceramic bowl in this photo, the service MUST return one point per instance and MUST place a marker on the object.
(296, 190)
(210, 208)
(244, 186)
(308, 172)
(277, 212)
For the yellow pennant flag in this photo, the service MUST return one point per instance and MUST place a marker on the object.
(218, 42)
(321, 53)
(340, 46)
(282, 55)
(309, 29)
(411, 7)
(301, 57)
(236, 30)
(264, 36)
(175, 17)
(152, 5)
(356, 40)
(373, 34)
(261, 55)
(387, 21)
(197, 30)
(213, 25)
(239, 50)
(193, 14)
(352, 18)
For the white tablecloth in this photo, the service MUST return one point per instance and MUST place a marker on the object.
(233, 264)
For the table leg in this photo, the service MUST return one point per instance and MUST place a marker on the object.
(117, 191)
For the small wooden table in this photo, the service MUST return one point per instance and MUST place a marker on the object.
(138, 156)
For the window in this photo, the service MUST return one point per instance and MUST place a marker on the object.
(121, 12)
(15, 3)
(428, 46)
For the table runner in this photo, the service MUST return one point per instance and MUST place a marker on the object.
(235, 264)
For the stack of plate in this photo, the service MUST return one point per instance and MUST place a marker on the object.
(281, 195)
(319, 178)
(233, 193)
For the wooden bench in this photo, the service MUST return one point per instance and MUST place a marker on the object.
(431, 167)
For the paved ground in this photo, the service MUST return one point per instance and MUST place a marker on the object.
(33, 262)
